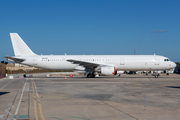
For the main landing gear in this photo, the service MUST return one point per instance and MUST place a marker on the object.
(90, 75)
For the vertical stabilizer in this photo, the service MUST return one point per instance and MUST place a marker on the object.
(19, 46)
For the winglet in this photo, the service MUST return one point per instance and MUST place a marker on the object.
(19, 46)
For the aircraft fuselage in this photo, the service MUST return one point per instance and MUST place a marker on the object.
(120, 62)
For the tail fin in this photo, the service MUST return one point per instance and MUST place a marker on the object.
(19, 46)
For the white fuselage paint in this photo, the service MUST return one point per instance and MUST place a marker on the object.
(120, 62)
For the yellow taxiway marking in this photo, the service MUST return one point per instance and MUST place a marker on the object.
(37, 103)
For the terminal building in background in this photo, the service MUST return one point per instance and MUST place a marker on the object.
(16, 68)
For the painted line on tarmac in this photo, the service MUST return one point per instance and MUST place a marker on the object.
(119, 110)
(37, 103)
(86, 110)
(6, 85)
(17, 109)
(14, 99)
(9, 109)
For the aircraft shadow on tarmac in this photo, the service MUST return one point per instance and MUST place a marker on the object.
(177, 87)
(2, 93)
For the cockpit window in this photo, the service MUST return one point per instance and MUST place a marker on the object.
(166, 60)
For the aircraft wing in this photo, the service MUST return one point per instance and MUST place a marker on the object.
(87, 65)
(18, 60)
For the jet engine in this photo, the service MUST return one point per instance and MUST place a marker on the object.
(108, 71)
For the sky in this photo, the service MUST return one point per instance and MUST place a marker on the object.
(98, 27)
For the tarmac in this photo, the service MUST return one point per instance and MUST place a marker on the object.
(128, 97)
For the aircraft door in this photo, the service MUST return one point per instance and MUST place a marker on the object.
(35, 61)
(122, 61)
(156, 60)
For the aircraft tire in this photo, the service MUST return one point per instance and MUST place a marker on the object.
(90, 76)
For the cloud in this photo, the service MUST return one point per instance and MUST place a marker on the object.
(155, 31)
(160, 31)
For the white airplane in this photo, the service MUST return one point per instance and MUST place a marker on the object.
(89, 64)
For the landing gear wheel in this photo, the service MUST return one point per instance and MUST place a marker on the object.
(90, 76)
(167, 73)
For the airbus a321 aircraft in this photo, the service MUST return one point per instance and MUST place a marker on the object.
(89, 64)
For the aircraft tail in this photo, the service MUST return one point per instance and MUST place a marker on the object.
(19, 46)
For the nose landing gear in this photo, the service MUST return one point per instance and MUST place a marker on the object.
(155, 74)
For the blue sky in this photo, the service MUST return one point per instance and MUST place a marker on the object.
(92, 26)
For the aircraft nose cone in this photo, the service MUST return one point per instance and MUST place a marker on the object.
(174, 65)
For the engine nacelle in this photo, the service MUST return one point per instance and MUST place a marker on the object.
(108, 71)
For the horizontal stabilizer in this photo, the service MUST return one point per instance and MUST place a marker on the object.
(17, 60)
